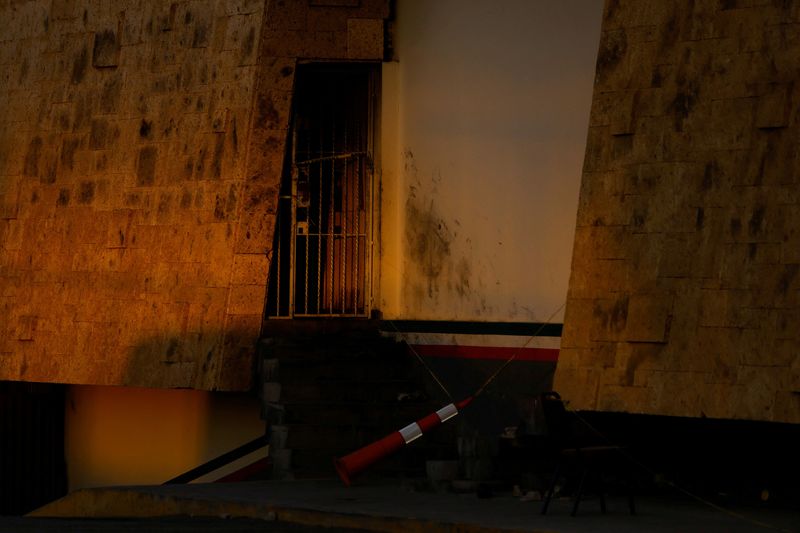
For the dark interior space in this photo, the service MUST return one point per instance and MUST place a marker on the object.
(725, 462)
(32, 467)
(321, 257)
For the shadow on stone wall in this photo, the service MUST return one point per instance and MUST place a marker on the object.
(210, 360)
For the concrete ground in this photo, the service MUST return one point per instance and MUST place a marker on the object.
(272, 505)
(169, 524)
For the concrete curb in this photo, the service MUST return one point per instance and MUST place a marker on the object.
(128, 503)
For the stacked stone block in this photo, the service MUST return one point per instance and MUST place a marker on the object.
(141, 148)
(685, 294)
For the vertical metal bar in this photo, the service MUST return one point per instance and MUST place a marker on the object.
(332, 237)
(357, 237)
(309, 170)
(319, 209)
(278, 260)
(319, 237)
(368, 175)
(293, 228)
(345, 203)
(305, 266)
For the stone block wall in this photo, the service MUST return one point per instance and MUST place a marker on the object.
(684, 296)
(141, 145)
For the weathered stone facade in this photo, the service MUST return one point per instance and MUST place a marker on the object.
(685, 290)
(141, 146)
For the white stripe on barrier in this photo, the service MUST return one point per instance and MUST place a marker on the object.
(447, 412)
(411, 432)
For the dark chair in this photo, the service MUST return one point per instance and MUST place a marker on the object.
(580, 455)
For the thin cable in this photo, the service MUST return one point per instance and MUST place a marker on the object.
(621, 450)
(423, 363)
(652, 472)
(514, 355)
(496, 372)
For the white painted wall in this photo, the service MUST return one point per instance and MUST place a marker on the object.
(484, 121)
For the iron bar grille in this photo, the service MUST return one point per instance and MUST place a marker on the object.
(323, 240)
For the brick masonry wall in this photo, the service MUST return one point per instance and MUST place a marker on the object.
(141, 145)
(684, 297)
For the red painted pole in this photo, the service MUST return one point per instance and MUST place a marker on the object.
(351, 465)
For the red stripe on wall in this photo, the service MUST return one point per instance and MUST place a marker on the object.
(487, 352)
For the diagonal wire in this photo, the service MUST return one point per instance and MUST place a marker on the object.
(422, 362)
(496, 372)
(518, 350)
(621, 450)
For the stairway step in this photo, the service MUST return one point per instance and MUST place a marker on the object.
(321, 327)
(364, 370)
(328, 390)
(322, 390)
(337, 341)
(355, 414)
(313, 437)
(337, 440)
(406, 462)
(387, 417)
(323, 348)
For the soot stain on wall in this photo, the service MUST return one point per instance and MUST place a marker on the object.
(431, 239)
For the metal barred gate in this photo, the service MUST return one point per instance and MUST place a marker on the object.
(321, 264)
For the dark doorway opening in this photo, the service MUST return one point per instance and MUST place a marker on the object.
(33, 470)
(322, 254)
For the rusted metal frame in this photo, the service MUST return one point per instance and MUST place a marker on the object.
(319, 229)
(345, 217)
(354, 281)
(356, 258)
(348, 155)
(278, 229)
(293, 231)
(331, 238)
(368, 166)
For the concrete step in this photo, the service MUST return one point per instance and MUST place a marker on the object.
(407, 462)
(362, 369)
(345, 390)
(314, 437)
(328, 390)
(338, 414)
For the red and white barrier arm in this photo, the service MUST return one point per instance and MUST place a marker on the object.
(351, 465)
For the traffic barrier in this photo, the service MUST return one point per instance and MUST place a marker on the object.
(353, 464)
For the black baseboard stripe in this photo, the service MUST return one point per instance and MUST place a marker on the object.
(460, 327)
